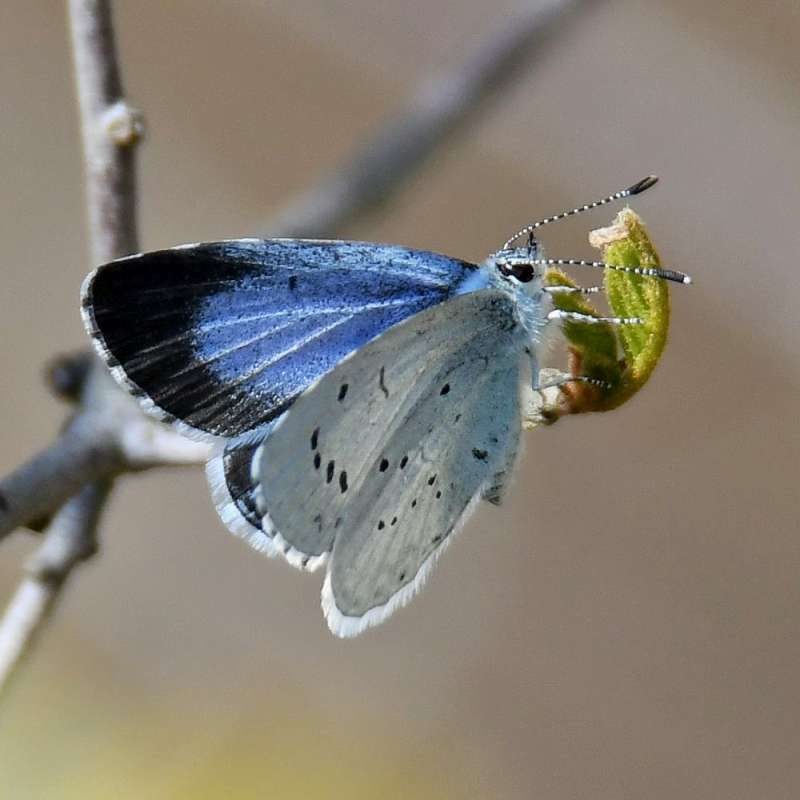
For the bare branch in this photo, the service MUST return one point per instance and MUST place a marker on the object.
(110, 129)
(434, 113)
(55, 474)
(70, 539)
(107, 437)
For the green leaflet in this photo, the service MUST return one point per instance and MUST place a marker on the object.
(623, 356)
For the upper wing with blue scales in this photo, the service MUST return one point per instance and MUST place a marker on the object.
(221, 337)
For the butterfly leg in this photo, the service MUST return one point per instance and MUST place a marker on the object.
(557, 384)
(577, 316)
(551, 290)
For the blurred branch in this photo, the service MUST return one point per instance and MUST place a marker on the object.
(71, 538)
(435, 112)
(53, 475)
(110, 128)
(108, 435)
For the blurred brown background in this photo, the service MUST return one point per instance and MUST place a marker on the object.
(627, 624)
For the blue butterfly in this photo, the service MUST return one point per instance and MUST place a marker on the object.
(363, 397)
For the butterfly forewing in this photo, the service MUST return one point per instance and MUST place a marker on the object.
(379, 461)
(222, 337)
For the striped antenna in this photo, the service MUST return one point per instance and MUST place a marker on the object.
(637, 188)
(650, 272)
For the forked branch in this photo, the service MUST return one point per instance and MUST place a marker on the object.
(110, 129)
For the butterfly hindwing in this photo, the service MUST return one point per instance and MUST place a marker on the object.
(233, 489)
(221, 337)
(379, 461)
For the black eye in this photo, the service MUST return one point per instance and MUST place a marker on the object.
(522, 272)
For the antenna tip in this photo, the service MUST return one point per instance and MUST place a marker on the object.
(643, 185)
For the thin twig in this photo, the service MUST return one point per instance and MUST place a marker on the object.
(71, 539)
(110, 128)
(54, 474)
(434, 113)
(107, 437)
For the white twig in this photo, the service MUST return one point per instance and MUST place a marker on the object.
(108, 436)
(110, 129)
(71, 538)
(53, 475)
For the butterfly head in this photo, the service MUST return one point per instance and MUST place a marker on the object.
(519, 265)
(525, 265)
(519, 273)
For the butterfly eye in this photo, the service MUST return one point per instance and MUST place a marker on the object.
(522, 272)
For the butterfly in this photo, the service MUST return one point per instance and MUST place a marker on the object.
(362, 397)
